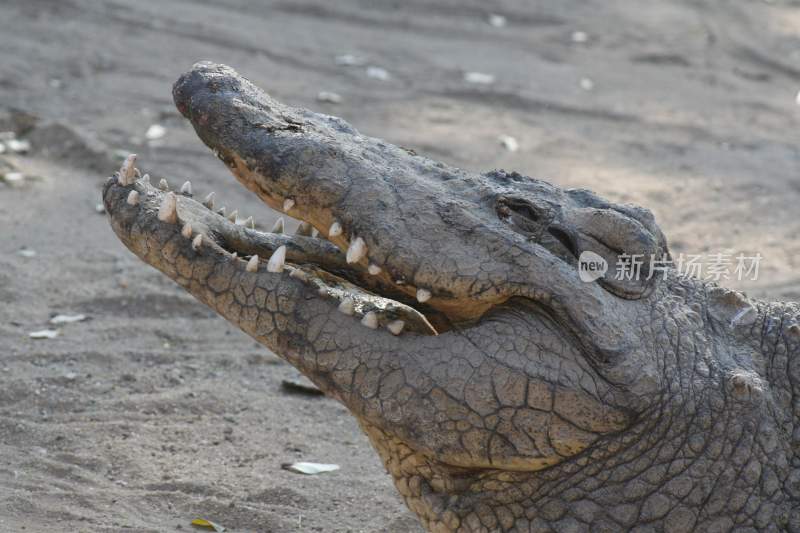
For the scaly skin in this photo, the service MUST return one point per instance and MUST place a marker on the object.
(544, 403)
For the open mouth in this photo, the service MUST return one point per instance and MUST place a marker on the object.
(395, 240)
(338, 276)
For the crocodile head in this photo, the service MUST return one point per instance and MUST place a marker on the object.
(444, 308)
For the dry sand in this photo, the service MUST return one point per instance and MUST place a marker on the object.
(154, 411)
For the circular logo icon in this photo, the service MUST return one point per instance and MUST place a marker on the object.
(591, 266)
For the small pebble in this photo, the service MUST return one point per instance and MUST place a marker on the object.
(498, 21)
(579, 37)
(13, 178)
(18, 146)
(377, 73)
(327, 96)
(509, 143)
(349, 60)
(479, 78)
(155, 132)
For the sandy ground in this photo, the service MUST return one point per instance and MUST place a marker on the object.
(154, 411)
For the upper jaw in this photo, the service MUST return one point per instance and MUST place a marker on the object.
(385, 209)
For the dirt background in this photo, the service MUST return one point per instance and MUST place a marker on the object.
(154, 411)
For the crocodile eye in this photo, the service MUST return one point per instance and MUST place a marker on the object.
(520, 213)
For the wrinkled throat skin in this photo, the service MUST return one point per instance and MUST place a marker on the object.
(444, 309)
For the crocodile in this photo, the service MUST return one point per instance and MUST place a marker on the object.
(446, 310)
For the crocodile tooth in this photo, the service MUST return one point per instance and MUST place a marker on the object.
(186, 188)
(370, 320)
(234, 255)
(187, 231)
(356, 251)
(275, 263)
(374, 269)
(335, 230)
(423, 295)
(395, 326)
(197, 242)
(233, 215)
(209, 201)
(133, 198)
(163, 185)
(136, 173)
(221, 211)
(252, 265)
(248, 222)
(146, 179)
(315, 232)
(288, 204)
(168, 210)
(304, 229)
(278, 226)
(346, 306)
(127, 171)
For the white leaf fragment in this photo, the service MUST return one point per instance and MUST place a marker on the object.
(67, 319)
(310, 469)
(44, 334)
